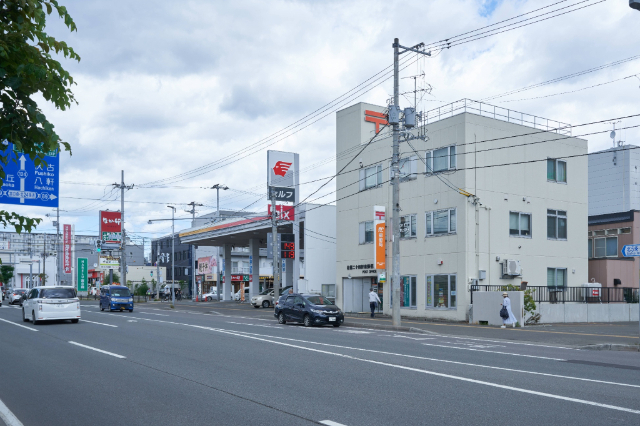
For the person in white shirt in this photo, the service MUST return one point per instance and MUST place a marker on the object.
(373, 302)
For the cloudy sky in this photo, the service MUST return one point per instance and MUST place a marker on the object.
(172, 87)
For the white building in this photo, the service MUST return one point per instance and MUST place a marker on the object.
(532, 207)
(613, 180)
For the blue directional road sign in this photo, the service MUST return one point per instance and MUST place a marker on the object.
(26, 185)
(631, 250)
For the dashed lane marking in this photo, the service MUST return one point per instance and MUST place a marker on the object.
(19, 325)
(97, 350)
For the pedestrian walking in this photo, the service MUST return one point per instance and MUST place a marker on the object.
(373, 302)
(507, 317)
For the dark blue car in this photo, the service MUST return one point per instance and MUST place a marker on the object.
(309, 309)
(115, 298)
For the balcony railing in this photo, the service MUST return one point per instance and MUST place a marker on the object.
(571, 294)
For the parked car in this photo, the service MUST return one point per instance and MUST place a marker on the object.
(115, 297)
(309, 309)
(265, 299)
(16, 295)
(212, 295)
(246, 294)
(45, 303)
(3, 290)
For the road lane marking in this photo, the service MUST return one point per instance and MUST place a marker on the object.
(152, 313)
(330, 423)
(101, 323)
(97, 350)
(443, 375)
(8, 417)
(414, 338)
(19, 325)
(468, 364)
(493, 352)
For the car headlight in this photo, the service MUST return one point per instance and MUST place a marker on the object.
(131, 299)
(317, 311)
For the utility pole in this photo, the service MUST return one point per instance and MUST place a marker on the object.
(276, 248)
(193, 252)
(218, 187)
(158, 270)
(394, 120)
(173, 271)
(123, 242)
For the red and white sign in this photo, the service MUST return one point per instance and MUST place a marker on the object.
(375, 117)
(67, 248)
(282, 212)
(595, 292)
(379, 248)
(207, 265)
(110, 226)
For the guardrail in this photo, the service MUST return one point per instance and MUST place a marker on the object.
(499, 113)
(571, 294)
(136, 299)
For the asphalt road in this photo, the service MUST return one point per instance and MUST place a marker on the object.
(190, 367)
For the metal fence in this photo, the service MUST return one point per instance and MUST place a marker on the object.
(499, 113)
(571, 294)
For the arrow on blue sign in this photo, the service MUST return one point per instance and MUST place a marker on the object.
(36, 186)
(631, 250)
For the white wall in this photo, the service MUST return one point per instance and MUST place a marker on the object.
(614, 176)
(319, 250)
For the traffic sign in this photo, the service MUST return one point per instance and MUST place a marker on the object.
(28, 185)
(631, 250)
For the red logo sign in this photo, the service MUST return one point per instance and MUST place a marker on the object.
(379, 215)
(282, 212)
(375, 117)
(281, 168)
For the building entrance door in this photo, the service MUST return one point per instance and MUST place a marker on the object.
(355, 294)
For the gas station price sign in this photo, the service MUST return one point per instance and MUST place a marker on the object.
(287, 246)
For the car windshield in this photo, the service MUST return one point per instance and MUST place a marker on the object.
(266, 292)
(319, 300)
(19, 291)
(57, 293)
(120, 292)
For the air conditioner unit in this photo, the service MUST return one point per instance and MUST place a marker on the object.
(511, 267)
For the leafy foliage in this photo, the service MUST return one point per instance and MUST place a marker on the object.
(6, 273)
(27, 69)
(116, 278)
(142, 289)
(529, 301)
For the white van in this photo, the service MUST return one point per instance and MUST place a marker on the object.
(51, 303)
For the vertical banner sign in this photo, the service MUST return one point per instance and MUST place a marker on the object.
(67, 248)
(83, 263)
(379, 248)
(110, 230)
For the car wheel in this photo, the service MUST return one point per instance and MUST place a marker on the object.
(281, 319)
(256, 306)
(101, 307)
(209, 299)
(130, 310)
(34, 321)
(74, 321)
(265, 304)
(307, 321)
(336, 324)
(25, 319)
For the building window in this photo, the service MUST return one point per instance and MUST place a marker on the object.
(408, 291)
(365, 232)
(590, 248)
(441, 291)
(556, 225)
(606, 247)
(598, 233)
(556, 277)
(370, 177)
(407, 167)
(329, 290)
(556, 170)
(407, 226)
(520, 224)
(625, 230)
(441, 222)
(441, 160)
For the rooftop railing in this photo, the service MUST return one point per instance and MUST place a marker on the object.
(499, 113)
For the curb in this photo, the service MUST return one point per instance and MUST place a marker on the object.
(611, 347)
(388, 328)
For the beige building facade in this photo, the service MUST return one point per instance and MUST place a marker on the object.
(529, 217)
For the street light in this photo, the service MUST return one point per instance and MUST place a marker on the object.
(173, 238)
(218, 187)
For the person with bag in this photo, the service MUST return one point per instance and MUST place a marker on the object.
(505, 313)
(373, 301)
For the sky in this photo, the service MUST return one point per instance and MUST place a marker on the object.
(168, 87)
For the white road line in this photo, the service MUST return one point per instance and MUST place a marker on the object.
(101, 323)
(97, 350)
(511, 342)
(330, 423)
(153, 313)
(447, 376)
(493, 352)
(19, 325)
(8, 417)
(468, 364)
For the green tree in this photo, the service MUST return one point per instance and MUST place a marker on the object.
(6, 273)
(116, 278)
(28, 70)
